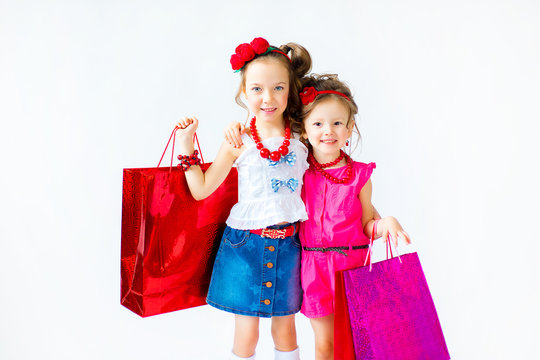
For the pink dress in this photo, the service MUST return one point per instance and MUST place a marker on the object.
(335, 219)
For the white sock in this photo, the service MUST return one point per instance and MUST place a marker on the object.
(287, 355)
(235, 357)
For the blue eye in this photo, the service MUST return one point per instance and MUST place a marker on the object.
(279, 88)
(256, 88)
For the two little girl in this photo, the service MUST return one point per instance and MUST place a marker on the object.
(300, 124)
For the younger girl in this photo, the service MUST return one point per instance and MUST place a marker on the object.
(337, 194)
(257, 268)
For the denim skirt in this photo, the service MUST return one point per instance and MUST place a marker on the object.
(255, 275)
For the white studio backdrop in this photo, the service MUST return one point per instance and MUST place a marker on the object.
(449, 98)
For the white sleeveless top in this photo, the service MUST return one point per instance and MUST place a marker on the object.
(269, 192)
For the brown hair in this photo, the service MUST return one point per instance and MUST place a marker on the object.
(298, 67)
(320, 83)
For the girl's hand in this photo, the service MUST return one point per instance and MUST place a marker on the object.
(233, 134)
(187, 126)
(391, 227)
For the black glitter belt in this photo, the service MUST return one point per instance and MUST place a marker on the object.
(338, 249)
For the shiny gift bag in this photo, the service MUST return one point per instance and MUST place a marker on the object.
(391, 315)
(169, 240)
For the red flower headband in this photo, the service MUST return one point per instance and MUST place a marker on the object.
(309, 94)
(244, 53)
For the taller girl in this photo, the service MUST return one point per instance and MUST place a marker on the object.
(257, 269)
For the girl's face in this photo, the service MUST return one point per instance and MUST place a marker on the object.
(266, 89)
(326, 129)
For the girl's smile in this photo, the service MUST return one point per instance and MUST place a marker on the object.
(269, 110)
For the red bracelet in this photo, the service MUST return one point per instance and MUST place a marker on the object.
(186, 161)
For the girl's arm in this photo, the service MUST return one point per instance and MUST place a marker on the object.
(201, 185)
(376, 215)
(368, 210)
(385, 226)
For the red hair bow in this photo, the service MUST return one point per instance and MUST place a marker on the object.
(244, 53)
(247, 52)
(309, 94)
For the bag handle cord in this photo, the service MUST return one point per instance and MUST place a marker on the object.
(173, 137)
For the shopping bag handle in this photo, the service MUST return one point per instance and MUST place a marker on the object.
(173, 136)
(388, 246)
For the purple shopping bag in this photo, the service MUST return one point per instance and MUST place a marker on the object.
(391, 311)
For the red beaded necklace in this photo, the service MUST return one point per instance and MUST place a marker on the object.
(265, 153)
(320, 167)
(332, 163)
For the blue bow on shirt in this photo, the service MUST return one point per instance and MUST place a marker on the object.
(292, 184)
(290, 159)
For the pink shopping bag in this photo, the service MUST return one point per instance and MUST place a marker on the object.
(391, 312)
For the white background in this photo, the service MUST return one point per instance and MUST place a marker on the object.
(449, 98)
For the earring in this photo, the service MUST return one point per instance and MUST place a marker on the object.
(347, 143)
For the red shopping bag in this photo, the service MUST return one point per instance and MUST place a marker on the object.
(169, 240)
(391, 313)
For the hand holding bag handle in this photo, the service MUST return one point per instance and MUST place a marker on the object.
(388, 247)
(173, 136)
